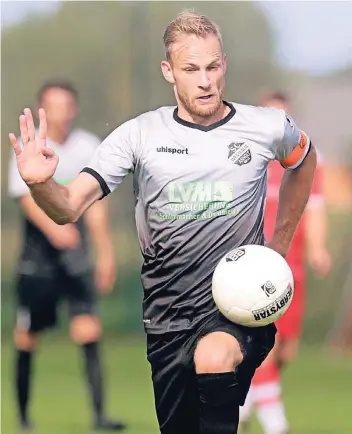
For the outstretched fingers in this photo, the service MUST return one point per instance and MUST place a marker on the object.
(24, 130)
(42, 128)
(15, 144)
(30, 124)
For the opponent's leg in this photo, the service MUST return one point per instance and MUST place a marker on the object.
(25, 344)
(266, 384)
(36, 311)
(246, 413)
(266, 390)
(216, 359)
(85, 330)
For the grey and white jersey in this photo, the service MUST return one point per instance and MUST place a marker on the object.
(38, 256)
(200, 192)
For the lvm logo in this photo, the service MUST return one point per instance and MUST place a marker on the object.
(172, 150)
(201, 191)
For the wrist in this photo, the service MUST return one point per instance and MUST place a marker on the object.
(280, 246)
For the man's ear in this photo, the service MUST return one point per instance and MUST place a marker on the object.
(167, 72)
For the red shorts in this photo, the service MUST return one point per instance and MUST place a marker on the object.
(289, 326)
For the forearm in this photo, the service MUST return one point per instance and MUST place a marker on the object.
(102, 242)
(36, 215)
(97, 222)
(66, 204)
(316, 228)
(53, 199)
(294, 194)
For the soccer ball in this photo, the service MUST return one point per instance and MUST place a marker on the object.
(252, 285)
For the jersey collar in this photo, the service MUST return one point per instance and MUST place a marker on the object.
(210, 127)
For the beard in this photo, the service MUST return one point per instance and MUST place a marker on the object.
(197, 109)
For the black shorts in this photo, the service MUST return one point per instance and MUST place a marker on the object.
(38, 298)
(173, 373)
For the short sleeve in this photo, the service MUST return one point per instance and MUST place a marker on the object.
(16, 186)
(294, 144)
(115, 157)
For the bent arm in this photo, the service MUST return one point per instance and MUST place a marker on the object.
(294, 194)
(36, 216)
(66, 204)
(97, 221)
(110, 164)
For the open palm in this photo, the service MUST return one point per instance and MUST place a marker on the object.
(36, 162)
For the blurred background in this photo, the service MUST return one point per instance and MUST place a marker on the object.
(112, 51)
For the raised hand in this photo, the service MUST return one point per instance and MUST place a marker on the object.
(36, 162)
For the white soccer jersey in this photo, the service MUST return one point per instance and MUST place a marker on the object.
(38, 256)
(200, 192)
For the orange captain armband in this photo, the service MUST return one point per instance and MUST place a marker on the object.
(298, 154)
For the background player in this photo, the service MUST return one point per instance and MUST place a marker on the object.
(55, 262)
(201, 363)
(309, 243)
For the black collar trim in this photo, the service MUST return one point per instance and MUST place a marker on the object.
(206, 128)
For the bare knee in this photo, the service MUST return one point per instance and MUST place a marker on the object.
(85, 329)
(216, 353)
(24, 340)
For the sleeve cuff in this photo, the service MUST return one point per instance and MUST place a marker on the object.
(104, 186)
(300, 161)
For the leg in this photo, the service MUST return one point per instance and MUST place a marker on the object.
(266, 392)
(225, 358)
(174, 382)
(25, 344)
(266, 385)
(85, 330)
(216, 358)
(36, 311)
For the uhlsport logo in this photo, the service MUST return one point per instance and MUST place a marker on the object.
(239, 153)
(172, 150)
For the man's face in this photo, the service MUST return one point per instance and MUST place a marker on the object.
(197, 70)
(60, 107)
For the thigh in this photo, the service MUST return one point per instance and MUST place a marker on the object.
(255, 343)
(80, 293)
(174, 383)
(37, 301)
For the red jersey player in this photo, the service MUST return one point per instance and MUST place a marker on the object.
(309, 243)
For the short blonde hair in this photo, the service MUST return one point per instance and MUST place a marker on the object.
(189, 22)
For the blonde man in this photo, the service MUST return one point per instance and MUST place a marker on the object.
(200, 177)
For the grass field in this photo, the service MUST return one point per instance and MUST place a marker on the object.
(317, 390)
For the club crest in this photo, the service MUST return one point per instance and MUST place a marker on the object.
(239, 153)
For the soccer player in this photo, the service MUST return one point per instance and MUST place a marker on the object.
(200, 183)
(55, 262)
(309, 241)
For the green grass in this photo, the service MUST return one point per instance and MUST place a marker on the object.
(317, 390)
